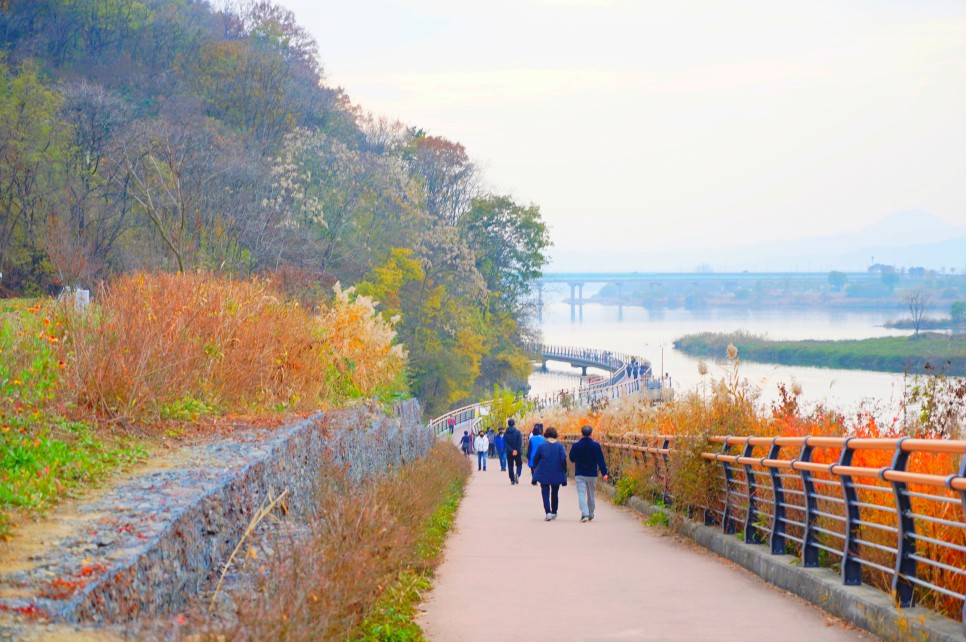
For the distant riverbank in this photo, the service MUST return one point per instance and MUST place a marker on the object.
(927, 352)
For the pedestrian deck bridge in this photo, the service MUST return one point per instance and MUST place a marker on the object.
(613, 362)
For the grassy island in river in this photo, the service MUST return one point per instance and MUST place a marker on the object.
(931, 352)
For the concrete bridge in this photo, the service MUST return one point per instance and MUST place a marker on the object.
(665, 283)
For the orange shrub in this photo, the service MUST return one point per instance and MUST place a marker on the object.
(160, 341)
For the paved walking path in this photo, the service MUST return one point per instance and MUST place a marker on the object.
(509, 575)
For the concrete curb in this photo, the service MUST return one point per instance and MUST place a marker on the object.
(864, 606)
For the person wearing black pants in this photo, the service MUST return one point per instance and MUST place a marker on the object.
(550, 471)
(513, 441)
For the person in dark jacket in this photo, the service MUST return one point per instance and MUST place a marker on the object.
(550, 471)
(588, 458)
(465, 442)
(513, 442)
(499, 442)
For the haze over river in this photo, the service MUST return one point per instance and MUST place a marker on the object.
(651, 334)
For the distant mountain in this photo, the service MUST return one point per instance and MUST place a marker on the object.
(905, 239)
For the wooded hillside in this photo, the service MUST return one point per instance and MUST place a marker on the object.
(170, 135)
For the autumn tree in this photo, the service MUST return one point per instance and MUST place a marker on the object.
(34, 145)
(447, 175)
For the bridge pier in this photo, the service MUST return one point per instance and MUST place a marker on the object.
(620, 300)
(540, 306)
(583, 371)
(576, 301)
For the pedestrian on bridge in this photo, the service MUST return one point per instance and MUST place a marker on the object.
(588, 458)
(465, 441)
(482, 444)
(513, 442)
(550, 471)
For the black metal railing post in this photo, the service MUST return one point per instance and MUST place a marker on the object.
(751, 534)
(906, 547)
(851, 568)
(777, 538)
(809, 550)
(727, 525)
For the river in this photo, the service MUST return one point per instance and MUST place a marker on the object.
(651, 334)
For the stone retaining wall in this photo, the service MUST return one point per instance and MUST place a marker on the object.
(167, 531)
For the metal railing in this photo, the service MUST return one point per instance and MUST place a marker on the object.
(858, 503)
(603, 359)
(882, 520)
(472, 411)
(651, 452)
(621, 382)
(654, 389)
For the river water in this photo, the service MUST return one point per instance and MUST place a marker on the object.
(651, 334)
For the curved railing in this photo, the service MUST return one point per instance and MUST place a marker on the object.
(603, 359)
(472, 411)
(657, 390)
(623, 380)
(863, 504)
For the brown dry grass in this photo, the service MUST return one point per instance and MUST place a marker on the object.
(169, 343)
(321, 586)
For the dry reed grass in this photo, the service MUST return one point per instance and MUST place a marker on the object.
(160, 341)
(320, 586)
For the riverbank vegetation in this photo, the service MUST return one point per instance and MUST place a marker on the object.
(358, 568)
(920, 354)
(254, 243)
(84, 390)
(934, 406)
(178, 136)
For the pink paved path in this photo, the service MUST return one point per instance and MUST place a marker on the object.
(509, 575)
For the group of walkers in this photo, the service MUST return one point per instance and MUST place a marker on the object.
(547, 460)
(485, 445)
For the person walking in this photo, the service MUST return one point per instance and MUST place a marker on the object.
(451, 424)
(499, 442)
(465, 441)
(588, 458)
(482, 444)
(533, 445)
(513, 442)
(491, 438)
(550, 471)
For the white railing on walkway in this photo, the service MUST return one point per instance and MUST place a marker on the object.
(625, 380)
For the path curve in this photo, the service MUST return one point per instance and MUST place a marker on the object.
(509, 575)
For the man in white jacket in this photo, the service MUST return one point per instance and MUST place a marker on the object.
(481, 444)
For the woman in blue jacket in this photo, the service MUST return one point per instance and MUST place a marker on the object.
(550, 471)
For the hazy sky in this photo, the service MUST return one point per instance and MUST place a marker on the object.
(637, 123)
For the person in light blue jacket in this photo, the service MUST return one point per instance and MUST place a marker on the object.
(536, 438)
